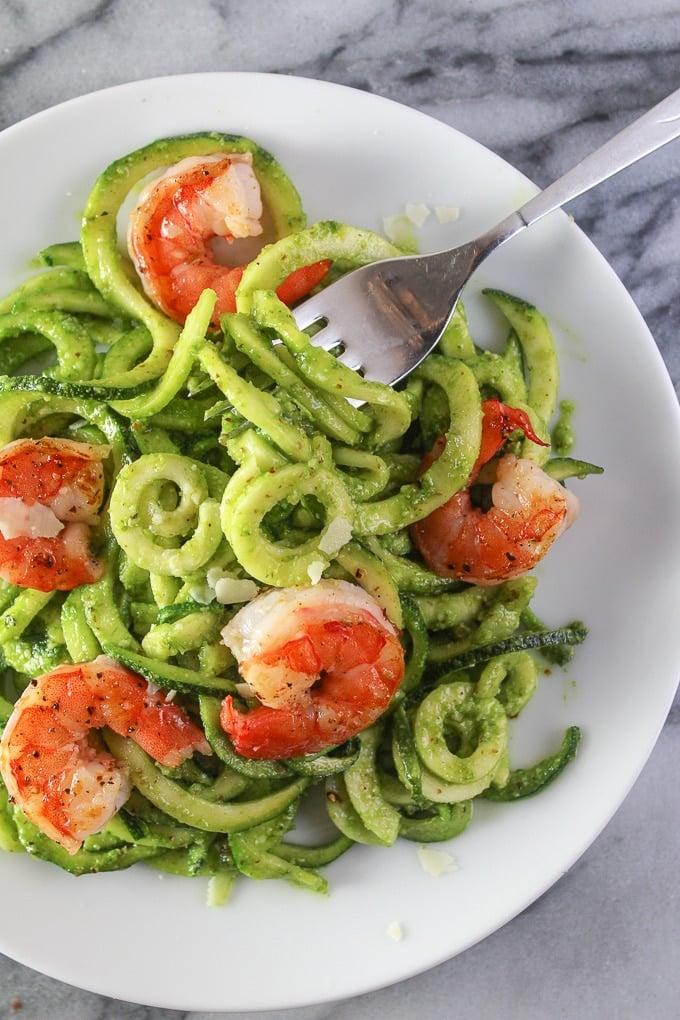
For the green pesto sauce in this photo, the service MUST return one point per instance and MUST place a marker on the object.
(562, 436)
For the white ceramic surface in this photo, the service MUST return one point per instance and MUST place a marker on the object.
(358, 158)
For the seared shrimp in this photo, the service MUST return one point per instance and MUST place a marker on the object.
(529, 512)
(62, 779)
(323, 661)
(50, 493)
(179, 218)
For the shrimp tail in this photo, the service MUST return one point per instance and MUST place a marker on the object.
(498, 423)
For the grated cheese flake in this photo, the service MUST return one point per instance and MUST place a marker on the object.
(446, 213)
(202, 593)
(225, 588)
(436, 862)
(399, 230)
(229, 590)
(315, 570)
(338, 533)
(417, 213)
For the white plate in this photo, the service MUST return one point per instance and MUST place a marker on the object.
(355, 157)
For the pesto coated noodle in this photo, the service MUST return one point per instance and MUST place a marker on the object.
(242, 585)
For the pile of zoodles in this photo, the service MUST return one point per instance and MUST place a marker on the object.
(247, 454)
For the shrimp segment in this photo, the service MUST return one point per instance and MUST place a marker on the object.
(62, 779)
(529, 512)
(50, 493)
(179, 218)
(324, 663)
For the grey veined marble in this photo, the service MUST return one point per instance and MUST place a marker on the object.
(541, 82)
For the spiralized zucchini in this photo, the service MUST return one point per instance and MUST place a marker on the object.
(250, 456)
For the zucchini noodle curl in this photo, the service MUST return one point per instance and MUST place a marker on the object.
(163, 515)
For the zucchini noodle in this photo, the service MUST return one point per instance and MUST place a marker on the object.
(244, 458)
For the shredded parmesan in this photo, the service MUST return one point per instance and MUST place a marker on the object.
(436, 862)
(223, 587)
(395, 931)
(338, 533)
(229, 590)
(213, 576)
(202, 593)
(315, 571)
(417, 213)
(399, 230)
(446, 213)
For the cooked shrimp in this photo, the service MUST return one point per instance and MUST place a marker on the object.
(178, 217)
(63, 779)
(323, 661)
(529, 512)
(178, 222)
(50, 493)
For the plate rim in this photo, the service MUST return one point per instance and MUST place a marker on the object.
(661, 371)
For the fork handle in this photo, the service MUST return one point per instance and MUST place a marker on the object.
(655, 128)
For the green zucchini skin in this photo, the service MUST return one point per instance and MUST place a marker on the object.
(166, 675)
(190, 808)
(530, 781)
(561, 468)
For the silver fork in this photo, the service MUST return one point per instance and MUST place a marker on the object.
(386, 317)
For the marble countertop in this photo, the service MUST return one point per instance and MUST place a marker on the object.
(539, 82)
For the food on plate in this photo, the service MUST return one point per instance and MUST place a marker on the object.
(62, 781)
(242, 586)
(529, 510)
(178, 221)
(50, 494)
(323, 662)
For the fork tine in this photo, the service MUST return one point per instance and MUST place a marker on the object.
(351, 359)
(328, 336)
(310, 311)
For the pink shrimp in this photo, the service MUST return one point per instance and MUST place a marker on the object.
(324, 663)
(63, 780)
(50, 492)
(529, 512)
(178, 220)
